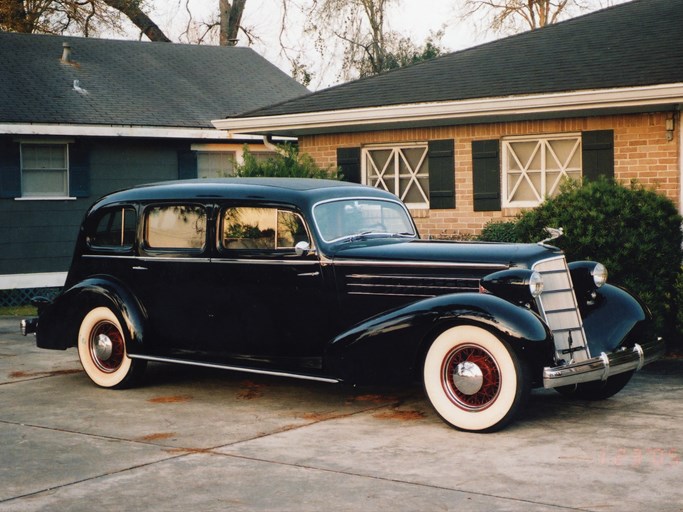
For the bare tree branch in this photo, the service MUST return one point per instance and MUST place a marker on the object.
(132, 10)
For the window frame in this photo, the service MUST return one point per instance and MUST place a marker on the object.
(123, 248)
(276, 251)
(506, 142)
(65, 193)
(144, 226)
(415, 174)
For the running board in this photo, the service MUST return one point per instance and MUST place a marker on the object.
(236, 368)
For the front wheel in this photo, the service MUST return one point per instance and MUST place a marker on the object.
(596, 390)
(102, 351)
(474, 380)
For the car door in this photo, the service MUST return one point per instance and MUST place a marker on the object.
(272, 304)
(171, 272)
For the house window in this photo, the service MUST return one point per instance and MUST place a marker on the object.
(400, 169)
(215, 164)
(44, 170)
(534, 168)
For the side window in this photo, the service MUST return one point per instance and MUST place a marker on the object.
(175, 227)
(248, 228)
(115, 229)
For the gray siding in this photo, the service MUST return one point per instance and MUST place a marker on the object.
(39, 236)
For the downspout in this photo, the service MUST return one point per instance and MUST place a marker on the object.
(268, 142)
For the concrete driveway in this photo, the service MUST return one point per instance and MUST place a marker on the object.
(204, 440)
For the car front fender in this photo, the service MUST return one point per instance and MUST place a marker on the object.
(616, 319)
(58, 323)
(391, 346)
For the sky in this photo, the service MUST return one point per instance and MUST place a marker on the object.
(411, 18)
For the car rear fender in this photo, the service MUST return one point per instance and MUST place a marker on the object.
(59, 322)
(392, 345)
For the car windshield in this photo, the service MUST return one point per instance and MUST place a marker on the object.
(350, 219)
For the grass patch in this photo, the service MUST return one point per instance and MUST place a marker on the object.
(22, 311)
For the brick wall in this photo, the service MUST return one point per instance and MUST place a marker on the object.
(642, 152)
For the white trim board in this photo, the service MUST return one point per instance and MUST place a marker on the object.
(38, 280)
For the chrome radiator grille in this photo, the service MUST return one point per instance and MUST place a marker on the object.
(558, 306)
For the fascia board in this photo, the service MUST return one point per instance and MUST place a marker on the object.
(158, 132)
(459, 110)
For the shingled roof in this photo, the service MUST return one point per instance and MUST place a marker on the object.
(629, 45)
(130, 83)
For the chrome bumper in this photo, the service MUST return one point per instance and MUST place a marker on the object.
(603, 366)
(28, 326)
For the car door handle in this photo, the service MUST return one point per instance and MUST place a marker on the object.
(140, 268)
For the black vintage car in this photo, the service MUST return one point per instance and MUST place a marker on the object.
(330, 281)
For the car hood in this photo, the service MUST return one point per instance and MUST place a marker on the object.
(441, 251)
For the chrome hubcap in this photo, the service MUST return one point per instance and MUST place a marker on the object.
(103, 347)
(468, 378)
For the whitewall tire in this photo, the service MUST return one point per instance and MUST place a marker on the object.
(102, 350)
(473, 379)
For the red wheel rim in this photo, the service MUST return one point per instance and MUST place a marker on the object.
(484, 389)
(107, 348)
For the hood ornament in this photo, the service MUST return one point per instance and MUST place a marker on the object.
(554, 233)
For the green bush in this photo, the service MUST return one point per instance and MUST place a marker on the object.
(499, 231)
(634, 232)
(288, 163)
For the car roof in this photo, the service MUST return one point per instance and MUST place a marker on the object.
(298, 191)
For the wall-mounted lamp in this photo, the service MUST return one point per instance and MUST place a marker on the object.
(669, 127)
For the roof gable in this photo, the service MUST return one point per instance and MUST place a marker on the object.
(133, 83)
(629, 45)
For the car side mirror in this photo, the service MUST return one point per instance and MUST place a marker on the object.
(303, 248)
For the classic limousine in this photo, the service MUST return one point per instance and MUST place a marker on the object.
(330, 281)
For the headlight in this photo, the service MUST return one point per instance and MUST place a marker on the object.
(536, 284)
(599, 274)
(516, 285)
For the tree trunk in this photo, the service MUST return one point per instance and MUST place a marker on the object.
(139, 19)
(231, 17)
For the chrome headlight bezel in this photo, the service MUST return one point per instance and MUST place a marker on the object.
(599, 275)
(517, 285)
(535, 284)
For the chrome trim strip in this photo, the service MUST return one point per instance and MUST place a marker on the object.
(181, 259)
(429, 264)
(235, 368)
(206, 260)
(604, 366)
(236, 261)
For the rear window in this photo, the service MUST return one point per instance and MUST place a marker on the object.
(175, 227)
(115, 229)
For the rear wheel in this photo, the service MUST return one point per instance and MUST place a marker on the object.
(102, 351)
(474, 380)
(596, 390)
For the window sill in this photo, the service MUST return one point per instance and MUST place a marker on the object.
(419, 212)
(55, 198)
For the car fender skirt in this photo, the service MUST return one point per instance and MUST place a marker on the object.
(59, 323)
(389, 346)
